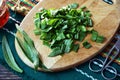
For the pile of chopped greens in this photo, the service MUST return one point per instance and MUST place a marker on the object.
(59, 29)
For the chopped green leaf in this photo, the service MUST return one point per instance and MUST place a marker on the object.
(73, 6)
(52, 21)
(43, 24)
(94, 35)
(46, 43)
(37, 22)
(60, 36)
(76, 36)
(37, 31)
(100, 39)
(90, 22)
(82, 36)
(68, 45)
(56, 51)
(87, 45)
(60, 28)
(75, 47)
(83, 28)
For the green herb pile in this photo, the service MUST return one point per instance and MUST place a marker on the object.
(59, 29)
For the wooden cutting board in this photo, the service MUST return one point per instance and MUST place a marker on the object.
(106, 21)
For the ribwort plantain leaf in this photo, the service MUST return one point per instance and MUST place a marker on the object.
(24, 34)
(9, 56)
(27, 46)
(29, 52)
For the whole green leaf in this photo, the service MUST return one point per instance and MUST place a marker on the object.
(26, 37)
(9, 56)
(25, 48)
(36, 58)
(29, 51)
(27, 45)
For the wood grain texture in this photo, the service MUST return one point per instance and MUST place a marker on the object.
(106, 21)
